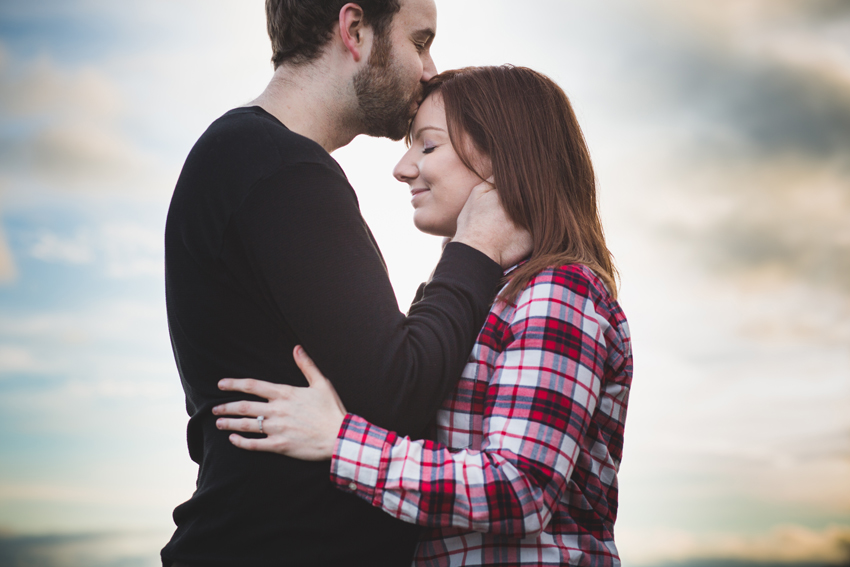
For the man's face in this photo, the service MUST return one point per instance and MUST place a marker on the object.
(389, 88)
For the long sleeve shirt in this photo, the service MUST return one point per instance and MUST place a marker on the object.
(524, 469)
(265, 249)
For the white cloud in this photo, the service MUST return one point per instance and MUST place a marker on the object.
(121, 251)
(133, 250)
(50, 247)
(70, 130)
(78, 154)
(17, 359)
(39, 88)
(8, 272)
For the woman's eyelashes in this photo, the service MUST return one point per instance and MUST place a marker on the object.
(428, 147)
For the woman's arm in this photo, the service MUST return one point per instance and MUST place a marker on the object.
(539, 403)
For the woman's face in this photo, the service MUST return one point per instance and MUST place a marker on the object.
(439, 182)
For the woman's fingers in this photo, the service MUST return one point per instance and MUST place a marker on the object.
(246, 425)
(308, 367)
(258, 388)
(249, 409)
(262, 444)
(298, 422)
(314, 376)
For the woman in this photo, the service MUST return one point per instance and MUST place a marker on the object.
(523, 471)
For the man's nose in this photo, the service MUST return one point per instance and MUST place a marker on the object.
(429, 69)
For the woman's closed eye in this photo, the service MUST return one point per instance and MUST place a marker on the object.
(428, 148)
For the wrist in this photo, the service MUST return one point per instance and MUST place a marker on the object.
(477, 244)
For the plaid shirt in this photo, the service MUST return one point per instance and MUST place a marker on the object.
(525, 468)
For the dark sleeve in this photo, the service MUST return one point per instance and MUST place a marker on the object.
(420, 292)
(320, 270)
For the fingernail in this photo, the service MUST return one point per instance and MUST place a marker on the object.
(299, 350)
(218, 423)
(223, 383)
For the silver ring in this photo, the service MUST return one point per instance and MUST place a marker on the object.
(260, 423)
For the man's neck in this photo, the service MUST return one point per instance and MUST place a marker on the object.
(312, 102)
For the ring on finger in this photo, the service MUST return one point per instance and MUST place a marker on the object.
(260, 419)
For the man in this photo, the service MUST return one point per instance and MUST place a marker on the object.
(266, 249)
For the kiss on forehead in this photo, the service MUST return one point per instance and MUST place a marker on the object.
(309, 392)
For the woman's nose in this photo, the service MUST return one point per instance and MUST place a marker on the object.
(406, 170)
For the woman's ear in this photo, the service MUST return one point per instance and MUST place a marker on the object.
(353, 31)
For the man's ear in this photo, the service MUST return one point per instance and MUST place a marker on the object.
(352, 30)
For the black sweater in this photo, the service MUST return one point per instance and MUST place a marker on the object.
(265, 248)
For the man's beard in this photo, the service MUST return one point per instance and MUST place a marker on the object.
(385, 107)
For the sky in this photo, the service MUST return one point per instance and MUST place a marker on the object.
(720, 132)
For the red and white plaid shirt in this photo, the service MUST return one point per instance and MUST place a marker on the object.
(524, 471)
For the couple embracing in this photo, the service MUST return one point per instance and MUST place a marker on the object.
(485, 427)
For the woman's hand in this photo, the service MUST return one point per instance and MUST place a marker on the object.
(298, 422)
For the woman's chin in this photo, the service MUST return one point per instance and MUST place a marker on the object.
(434, 229)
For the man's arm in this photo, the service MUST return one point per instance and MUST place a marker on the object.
(537, 410)
(320, 272)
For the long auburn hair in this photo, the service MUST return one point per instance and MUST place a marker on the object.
(525, 124)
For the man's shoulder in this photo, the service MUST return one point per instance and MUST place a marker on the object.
(245, 150)
(242, 150)
(250, 138)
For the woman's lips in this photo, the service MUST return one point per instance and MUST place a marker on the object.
(414, 191)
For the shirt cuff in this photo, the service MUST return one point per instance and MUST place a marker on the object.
(464, 265)
(359, 453)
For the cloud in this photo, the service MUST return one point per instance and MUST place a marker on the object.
(750, 77)
(785, 544)
(52, 248)
(64, 127)
(743, 110)
(133, 250)
(122, 251)
(79, 154)
(8, 272)
(746, 13)
(17, 359)
(789, 223)
(39, 88)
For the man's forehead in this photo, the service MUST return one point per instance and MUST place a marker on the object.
(418, 14)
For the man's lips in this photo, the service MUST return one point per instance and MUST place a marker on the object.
(414, 191)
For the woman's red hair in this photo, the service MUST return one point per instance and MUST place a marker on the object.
(525, 124)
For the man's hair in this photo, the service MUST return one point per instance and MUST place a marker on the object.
(524, 123)
(299, 29)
